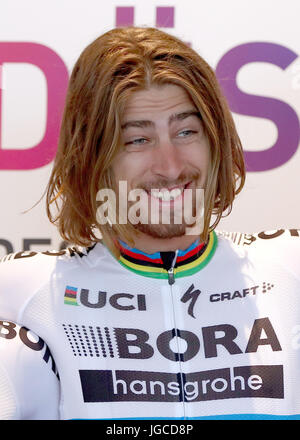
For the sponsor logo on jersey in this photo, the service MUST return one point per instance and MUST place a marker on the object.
(99, 299)
(211, 341)
(241, 293)
(245, 239)
(135, 343)
(10, 330)
(126, 301)
(191, 296)
(154, 386)
(159, 386)
(70, 251)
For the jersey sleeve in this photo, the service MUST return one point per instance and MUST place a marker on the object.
(21, 276)
(29, 383)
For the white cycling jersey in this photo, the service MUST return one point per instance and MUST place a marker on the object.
(209, 332)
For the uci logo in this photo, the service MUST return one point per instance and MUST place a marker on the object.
(96, 300)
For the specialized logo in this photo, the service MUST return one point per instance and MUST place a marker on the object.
(97, 300)
(192, 296)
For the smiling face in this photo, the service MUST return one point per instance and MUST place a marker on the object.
(163, 146)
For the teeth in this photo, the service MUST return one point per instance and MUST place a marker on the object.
(166, 195)
(176, 192)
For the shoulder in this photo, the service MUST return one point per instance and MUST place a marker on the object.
(270, 242)
(281, 246)
(269, 238)
(63, 254)
(22, 274)
(69, 255)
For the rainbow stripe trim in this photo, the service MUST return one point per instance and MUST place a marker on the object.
(70, 296)
(190, 261)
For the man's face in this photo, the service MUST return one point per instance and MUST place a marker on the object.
(163, 146)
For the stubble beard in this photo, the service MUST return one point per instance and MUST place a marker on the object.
(171, 229)
(161, 230)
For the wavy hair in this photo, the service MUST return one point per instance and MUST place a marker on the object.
(115, 65)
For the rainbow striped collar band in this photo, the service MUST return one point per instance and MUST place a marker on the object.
(188, 261)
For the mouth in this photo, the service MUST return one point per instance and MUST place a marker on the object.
(169, 195)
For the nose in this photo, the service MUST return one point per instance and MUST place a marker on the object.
(167, 161)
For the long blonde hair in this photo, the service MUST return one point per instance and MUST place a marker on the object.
(108, 71)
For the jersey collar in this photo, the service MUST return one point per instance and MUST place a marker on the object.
(188, 261)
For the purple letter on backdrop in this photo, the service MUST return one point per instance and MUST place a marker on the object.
(57, 76)
(124, 15)
(283, 116)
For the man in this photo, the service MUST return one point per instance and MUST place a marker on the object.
(155, 319)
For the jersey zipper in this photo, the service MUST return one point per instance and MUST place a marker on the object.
(171, 277)
(171, 281)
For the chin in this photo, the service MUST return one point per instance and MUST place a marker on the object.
(161, 231)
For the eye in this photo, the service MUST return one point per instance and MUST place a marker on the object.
(136, 141)
(187, 131)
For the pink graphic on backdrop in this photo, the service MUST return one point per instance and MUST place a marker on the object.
(57, 76)
(165, 16)
(124, 16)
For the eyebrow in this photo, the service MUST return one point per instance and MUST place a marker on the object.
(172, 118)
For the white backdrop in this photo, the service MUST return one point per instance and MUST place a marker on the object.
(33, 79)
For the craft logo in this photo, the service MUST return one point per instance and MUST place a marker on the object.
(242, 293)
